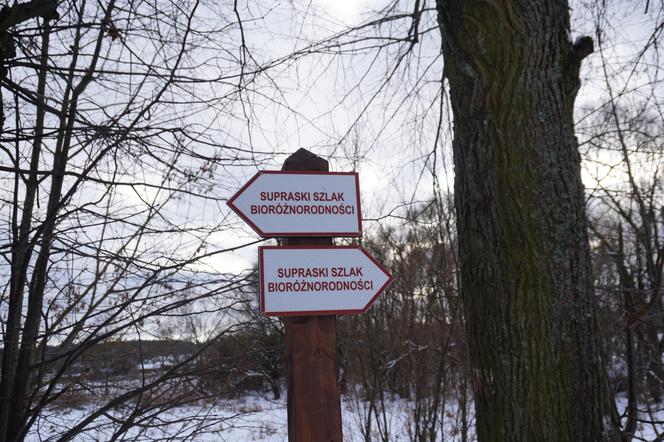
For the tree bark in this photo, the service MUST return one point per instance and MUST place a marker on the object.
(526, 277)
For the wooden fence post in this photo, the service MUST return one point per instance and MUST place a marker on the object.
(314, 404)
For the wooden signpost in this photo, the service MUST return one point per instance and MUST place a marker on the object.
(300, 203)
(308, 281)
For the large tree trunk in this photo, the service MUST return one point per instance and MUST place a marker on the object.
(525, 262)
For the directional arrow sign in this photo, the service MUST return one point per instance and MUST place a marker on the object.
(319, 280)
(299, 203)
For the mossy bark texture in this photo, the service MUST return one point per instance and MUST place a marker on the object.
(525, 264)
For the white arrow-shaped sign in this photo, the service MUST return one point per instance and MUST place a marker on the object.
(318, 280)
(300, 203)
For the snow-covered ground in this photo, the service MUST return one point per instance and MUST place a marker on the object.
(646, 431)
(250, 418)
(255, 418)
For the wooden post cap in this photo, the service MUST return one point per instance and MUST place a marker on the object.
(302, 159)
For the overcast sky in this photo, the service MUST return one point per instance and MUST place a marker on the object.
(322, 97)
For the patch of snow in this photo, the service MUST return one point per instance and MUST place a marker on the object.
(256, 418)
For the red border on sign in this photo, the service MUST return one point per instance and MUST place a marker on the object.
(389, 281)
(263, 234)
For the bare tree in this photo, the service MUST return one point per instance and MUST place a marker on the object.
(109, 151)
(622, 134)
(409, 348)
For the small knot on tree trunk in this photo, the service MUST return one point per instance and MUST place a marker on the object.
(582, 47)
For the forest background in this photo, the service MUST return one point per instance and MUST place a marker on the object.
(128, 287)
